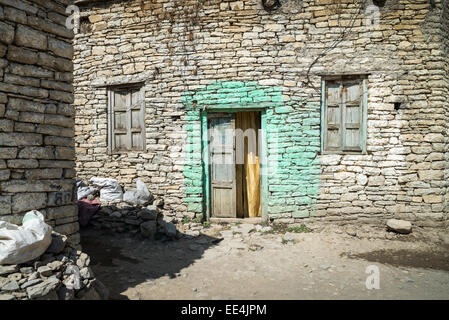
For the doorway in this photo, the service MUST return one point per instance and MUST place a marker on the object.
(234, 164)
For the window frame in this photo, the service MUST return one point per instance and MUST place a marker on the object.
(112, 149)
(363, 78)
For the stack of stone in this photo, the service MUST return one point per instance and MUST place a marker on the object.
(61, 273)
(146, 221)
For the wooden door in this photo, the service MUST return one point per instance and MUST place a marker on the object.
(222, 165)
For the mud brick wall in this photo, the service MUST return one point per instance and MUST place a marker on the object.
(36, 117)
(182, 52)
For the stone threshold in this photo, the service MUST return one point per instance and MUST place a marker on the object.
(257, 220)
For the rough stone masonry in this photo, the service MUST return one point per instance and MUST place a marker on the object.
(191, 57)
(36, 116)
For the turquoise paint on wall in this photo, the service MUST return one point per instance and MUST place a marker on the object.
(293, 143)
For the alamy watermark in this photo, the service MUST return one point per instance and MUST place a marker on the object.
(373, 280)
(231, 147)
(372, 14)
(73, 21)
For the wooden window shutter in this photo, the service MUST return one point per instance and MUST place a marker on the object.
(344, 116)
(136, 129)
(126, 118)
(332, 117)
(352, 116)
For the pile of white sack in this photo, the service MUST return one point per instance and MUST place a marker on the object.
(111, 191)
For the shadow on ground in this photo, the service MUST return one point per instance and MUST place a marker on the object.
(122, 260)
(437, 259)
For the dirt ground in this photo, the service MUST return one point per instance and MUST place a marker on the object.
(237, 262)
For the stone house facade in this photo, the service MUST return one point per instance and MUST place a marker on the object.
(36, 116)
(352, 98)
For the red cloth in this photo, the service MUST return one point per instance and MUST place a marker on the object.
(86, 209)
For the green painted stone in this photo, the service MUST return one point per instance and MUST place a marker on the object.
(193, 199)
(233, 84)
(256, 93)
(195, 207)
(285, 109)
(193, 190)
(262, 99)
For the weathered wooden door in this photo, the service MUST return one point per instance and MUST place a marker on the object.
(222, 164)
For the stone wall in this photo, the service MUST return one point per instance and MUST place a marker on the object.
(36, 116)
(444, 30)
(195, 56)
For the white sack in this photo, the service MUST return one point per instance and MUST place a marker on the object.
(20, 244)
(83, 191)
(110, 189)
(141, 196)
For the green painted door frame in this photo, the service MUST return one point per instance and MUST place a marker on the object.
(205, 160)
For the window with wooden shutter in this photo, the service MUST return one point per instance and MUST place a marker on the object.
(344, 115)
(126, 119)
